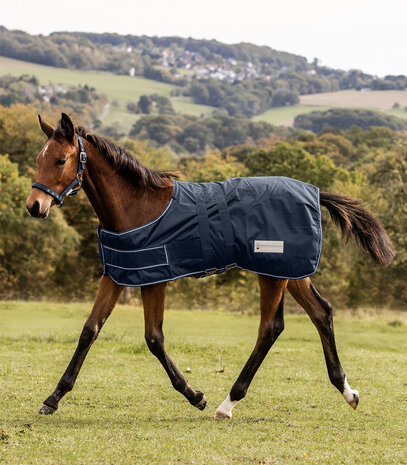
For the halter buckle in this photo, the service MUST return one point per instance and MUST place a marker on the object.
(83, 157)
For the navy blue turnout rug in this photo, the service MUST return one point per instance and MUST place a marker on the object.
(267, 225)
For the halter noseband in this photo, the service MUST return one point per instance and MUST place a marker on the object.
(59, 198)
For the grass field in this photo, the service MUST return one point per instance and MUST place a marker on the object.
(284, 116)
(374, 99)
(123, 409)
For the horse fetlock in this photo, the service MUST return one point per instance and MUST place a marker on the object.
(51, 401)
(350, 395)
(202, 402)
(225, 408)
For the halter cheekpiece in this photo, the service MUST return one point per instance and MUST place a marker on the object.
(70, 190)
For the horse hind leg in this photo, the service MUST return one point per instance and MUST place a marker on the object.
(320, 312)
(271, 326)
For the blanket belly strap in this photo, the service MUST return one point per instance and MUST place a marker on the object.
(226, 229)
(218, 252)
(204, 229)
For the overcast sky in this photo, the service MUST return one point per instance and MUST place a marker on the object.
(370, 35)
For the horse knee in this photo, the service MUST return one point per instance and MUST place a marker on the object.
(272, 331)
(155, 343)
(88, 335)
(278, 328)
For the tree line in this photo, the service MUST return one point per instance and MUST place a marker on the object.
(196, 135)
(344, 118)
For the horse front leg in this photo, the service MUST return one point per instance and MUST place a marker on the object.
(320, 312)
(105, 302)
(153, 302)
(271, 326)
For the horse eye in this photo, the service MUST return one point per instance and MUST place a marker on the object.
(61, 162)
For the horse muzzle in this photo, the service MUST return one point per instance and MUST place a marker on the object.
(35, 210)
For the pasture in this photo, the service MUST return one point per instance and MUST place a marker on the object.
(123, 409)
(374, 99)
(284, 116)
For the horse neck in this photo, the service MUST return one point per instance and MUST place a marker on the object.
(117, 200)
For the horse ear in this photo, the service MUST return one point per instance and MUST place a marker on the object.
(46, 128)
(67, 127)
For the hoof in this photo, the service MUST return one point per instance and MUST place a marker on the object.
(222, 414)
(355, 401)
(201, 404)
(46, 410)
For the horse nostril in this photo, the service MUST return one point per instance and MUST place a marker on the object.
(35, 209)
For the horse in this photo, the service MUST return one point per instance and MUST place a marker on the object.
(74, 157)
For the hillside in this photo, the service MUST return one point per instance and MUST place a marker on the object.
(198, 77)
(121, 89)
(240, 80)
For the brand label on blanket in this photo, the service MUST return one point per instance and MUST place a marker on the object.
(269, 246)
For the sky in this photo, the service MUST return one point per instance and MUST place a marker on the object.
(346, 34)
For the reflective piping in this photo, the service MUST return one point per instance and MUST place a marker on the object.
(155, 282)
(140, 227)
(135, 269)
(135, 251)
(195, 273)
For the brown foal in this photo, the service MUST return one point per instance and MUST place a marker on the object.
(111, 178)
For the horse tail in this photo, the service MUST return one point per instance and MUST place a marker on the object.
(356, 221)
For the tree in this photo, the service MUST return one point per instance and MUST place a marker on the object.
(20, 136)
(30, 250)
(145, 104)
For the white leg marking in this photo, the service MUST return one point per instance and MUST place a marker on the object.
(351, 395)
(225, 408)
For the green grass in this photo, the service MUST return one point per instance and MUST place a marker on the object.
(123, 409)
(124, 119)
(115, 87)
(285, 115)
(186, 106)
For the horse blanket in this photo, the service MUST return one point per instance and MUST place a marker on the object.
(267, 225)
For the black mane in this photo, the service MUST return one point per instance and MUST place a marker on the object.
(123, 161)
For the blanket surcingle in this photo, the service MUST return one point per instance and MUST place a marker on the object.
(266, 225)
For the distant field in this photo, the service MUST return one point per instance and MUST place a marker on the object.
(375, 99)
(123, 409)
(284, 116)
(116, 88)
(186, 106)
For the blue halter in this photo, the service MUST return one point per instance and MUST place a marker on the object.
(59, 198)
